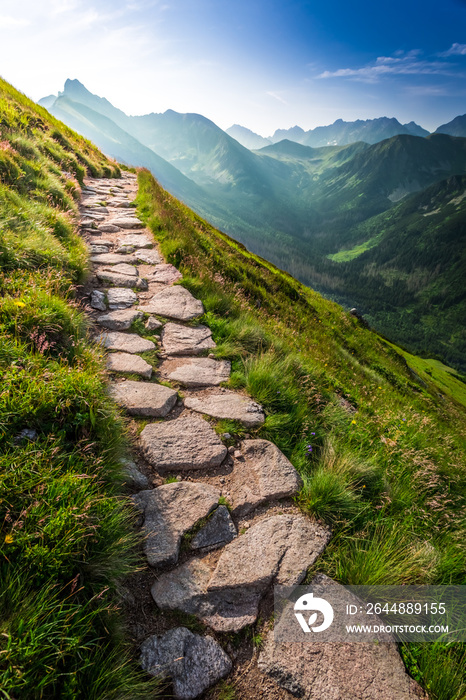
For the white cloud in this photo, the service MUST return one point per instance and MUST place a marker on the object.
(455, 50)
(7, 21)
(408, 63)
(277, 97)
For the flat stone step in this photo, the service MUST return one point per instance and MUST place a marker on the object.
(185, 443)
(326, 669)
(150, 257)
(128, 364)
(226, 404)
(169, 511)
(175, 302)
(114, 259)
(193, 663)
(119, 280)
(97, 249)
(138, 241)
(119, 320)
(119, 298)
(108, 228)
(185, 340)
(218, 531)
(126, 342)
(195, 371)
(124, 268)
(128, 222)
(275, 551)
(144, 398)
(165, 274)
(260, 474)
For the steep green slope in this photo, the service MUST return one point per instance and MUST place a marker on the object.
(65, 538)
(381, 451)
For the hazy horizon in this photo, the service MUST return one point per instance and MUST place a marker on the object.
(264, 66)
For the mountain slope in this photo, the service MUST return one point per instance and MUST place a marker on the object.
(247, 138)
(457, 127)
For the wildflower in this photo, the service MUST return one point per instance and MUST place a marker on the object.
(8, 539)
(353, 422)
(312, 433)
(21, 304)
(309, 448)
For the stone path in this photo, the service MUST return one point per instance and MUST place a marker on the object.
(224, 528)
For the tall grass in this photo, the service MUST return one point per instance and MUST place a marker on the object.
(66, 538)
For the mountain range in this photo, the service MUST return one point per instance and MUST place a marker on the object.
(339, 133)
(323, 213)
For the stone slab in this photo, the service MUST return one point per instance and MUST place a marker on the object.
(128, 222)
(193, 663)
(165, 273)
(218, 531)
(119, 298)
(136, 240)
(98, 249)
(126, 363)
(144, 398)
(363, 671)
(186, 340)
(108, 228)
(150, 257)
(226, 404)
(153, 324)
(98, 300)
(113, 259)
(262, 473)
(175, 302)
(169, 512)
(126, 342)
(276, 550)
(185, 443)
(196, 371)
(119, 320)
(119, 280)
(123, 268)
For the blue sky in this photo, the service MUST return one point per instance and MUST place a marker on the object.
(262, 64)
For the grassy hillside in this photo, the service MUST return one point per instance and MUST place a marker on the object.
(381, 452)
(64, 541)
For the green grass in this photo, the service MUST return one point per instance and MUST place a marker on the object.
(66, 532)
(354, 252)
(381, 454)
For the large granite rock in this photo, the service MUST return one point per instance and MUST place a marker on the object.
(126, 363)
(108, 228)
(185, 443)
(119, 320)
(260, 474)
(336, 671)
(186, 340)
(169, 512)
(126, 342)
(227, 404)
(277, 550)
(174, 302)
(196, 371)
(120, 298)
(144, 398)
(217, 532)
(120, 280)
(123, 268)
(193, 663)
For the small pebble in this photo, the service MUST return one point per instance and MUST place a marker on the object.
(226, 436)
(231, 450)
(179, 478)
(238, 454)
